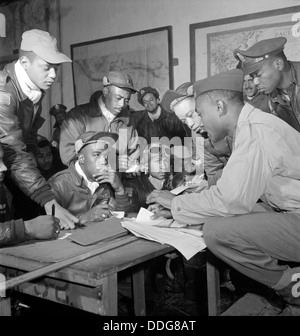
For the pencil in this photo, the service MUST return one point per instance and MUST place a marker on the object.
(53, 210)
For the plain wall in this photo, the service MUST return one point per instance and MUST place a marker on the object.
(86, 20)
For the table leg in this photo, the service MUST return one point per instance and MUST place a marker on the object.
(138, 282)
(213, 286)
(5, 306)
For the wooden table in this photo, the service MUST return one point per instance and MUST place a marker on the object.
(90, 285)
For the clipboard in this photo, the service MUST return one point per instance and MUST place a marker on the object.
(100, 231)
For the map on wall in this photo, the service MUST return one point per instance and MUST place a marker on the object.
(213, 42)
(144, 56)
(221, 45)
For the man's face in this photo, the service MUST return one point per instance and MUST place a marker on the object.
(159, 166)
(249, 88)
(212, 121)
(44, 158)
(150, 102)
(185, 111)
(94, 158)
(41, 73)
(3, 168)
(116, 98)
(59, 117)
(268, 77)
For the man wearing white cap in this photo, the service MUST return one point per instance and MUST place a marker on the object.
(22, 86)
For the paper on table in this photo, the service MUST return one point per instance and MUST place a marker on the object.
(144, 217)
(187, 240)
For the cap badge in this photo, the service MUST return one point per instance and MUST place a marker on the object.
(258, 59)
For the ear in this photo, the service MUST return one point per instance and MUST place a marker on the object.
(221, 107)
(105, 91)
(279, 64)
(24, 61)
(81, 158)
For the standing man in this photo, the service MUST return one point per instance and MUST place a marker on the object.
(22, 86)
(275, 76)
(252, 238)
(155, 120)
(108, 111)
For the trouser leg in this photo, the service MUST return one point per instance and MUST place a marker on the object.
(253, 243)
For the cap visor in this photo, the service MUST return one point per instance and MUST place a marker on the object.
(248, 70)
(55, 58)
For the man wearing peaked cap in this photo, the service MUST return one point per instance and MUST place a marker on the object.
(90, 187)
(59, 111)
(155, 121)
(264, 165)
(275, 76)
(107, 110)
(22, 87)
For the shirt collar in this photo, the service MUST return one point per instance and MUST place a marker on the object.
(107, 114)
(156, 115)
(91, 185)
(27, 86)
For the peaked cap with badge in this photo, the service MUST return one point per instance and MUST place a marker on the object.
(252, 59)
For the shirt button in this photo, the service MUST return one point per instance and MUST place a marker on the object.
(178, 209)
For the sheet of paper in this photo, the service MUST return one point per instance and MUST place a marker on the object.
(188, 244)
(144, 217)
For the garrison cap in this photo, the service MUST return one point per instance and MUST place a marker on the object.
(230, 80)
(143, 91)
(120, 79)
(92, 137)
(253, 58)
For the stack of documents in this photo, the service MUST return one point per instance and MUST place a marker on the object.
(188, 240)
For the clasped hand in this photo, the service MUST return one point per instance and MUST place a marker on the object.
(111, 177)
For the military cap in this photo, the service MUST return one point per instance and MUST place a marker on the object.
(120, 79)
(92, 137)
(230, 80)
(170, 98)
(58, 108)
(44, 45)
(253, 58)
(144, 91)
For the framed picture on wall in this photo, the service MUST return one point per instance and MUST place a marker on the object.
(146, 55)
(212, 42)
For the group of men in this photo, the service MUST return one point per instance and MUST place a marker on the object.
(251, 211)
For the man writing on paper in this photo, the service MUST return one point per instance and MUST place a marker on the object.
(249, 236)
(22, 87)
(89, 188)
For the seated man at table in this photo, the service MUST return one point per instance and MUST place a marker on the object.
(16, 231)
(258, 240)
(90, 188)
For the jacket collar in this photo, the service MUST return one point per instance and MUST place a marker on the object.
(78, 180)
(295, 67)
(10, 71)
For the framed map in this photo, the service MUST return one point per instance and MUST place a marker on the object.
(146, 55)
(212, 43)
